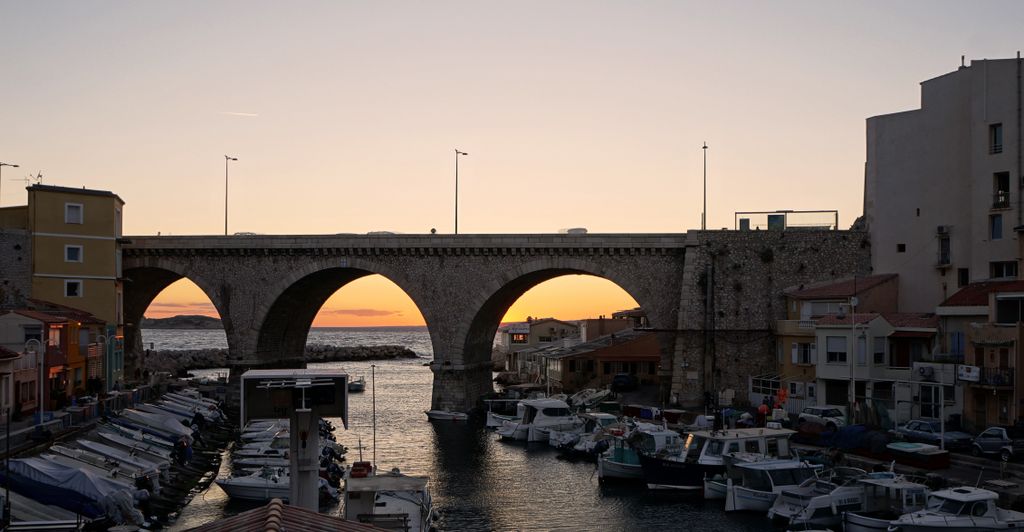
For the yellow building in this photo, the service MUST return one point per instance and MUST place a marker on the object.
(76, 259)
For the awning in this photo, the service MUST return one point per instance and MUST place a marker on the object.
(912, 334)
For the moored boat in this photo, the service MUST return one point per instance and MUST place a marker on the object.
(446, 415)
(959, 510)
(885, 499)
(357, 385)
(760, 483)
(391, 501)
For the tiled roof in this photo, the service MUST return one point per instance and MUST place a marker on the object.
(833, 319)
(278, 517)
(976, 294)
(620, 337)
(39, 316)
(839, 289)
(7, 353)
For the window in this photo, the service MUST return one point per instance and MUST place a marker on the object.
(33, 332)
(73, 213)
(1001, 190)
(519, 338)
(810, 391)
(802, 354)
(944, 250)
(995, 226)
(995, 138)
(825, 308)
(1002, 269)
(901, 248)
(835, 346)
(963, 277)
(862, 351)
(72, 253)
(544, 339)
(879, 351)
(957, 343)
(72, 288)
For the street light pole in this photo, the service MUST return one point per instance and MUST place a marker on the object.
(704, 212)
(457, 154)
(226, 159)
(2, 165)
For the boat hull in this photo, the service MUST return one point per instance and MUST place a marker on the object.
(854, 522)
(959, 524)
(609, 469)
(746, 499)
(252, 492)
(715, 489)
(660, 473)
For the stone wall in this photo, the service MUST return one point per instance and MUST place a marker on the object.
(724, 340)
(15, 266)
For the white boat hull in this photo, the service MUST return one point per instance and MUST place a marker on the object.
(617, 470)
(953, 524)
(853, 522)
(444, 415)
(739, 499)
(715, 489)
(254, 492)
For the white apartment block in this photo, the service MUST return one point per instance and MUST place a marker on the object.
(943, 184)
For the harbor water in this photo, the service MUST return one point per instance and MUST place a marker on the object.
(477, 481)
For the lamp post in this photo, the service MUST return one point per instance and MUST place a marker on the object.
(457, 154)
(41, 354)
(704, 212)
(7, 455)
(102, 340)
(226, 159)
(2, 165)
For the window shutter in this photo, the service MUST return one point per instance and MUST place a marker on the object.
(795, 353)
(814, 354)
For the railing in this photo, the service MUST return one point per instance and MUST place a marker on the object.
(995, 148)
(1001, 199)
(996, 376)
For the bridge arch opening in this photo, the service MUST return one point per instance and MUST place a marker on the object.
(160, 292)
(330, 297)
(567, 294)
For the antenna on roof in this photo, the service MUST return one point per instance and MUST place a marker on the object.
(962, 63)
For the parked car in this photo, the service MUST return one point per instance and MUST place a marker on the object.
(623, 382)
(927, 431)
(829, 416)
(1007, 442)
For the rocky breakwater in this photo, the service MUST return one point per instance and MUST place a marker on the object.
(186, 359)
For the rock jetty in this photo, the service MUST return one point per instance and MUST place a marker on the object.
(186, 359)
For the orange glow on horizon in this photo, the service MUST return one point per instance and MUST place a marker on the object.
(375, 301)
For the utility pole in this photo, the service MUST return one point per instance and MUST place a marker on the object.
(704, 213)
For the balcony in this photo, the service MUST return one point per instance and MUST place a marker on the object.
(1001, 200)
(55, 357)
(996, 378)
(794, 327)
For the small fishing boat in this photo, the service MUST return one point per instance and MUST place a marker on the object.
(821, 501)
(539, 417)
(959, 510)
(592, 423)
(267, 483)
(622, 459)
(885, 499)
(357, 385)
(760, 483)
(391, 501)
(445, 415)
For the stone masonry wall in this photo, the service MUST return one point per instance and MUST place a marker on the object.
(15, 266)
(750, 270)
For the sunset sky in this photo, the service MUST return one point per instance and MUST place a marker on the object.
(344, 116)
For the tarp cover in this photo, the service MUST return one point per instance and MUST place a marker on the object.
(80, 481)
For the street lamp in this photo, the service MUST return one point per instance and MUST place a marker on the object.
(457, 154)
(704, 213)
(2, 165)
(41, 354)
(226, 159)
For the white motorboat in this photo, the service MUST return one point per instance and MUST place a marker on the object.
(267, 483)
(157, 452)
(539, 417)
(622, 459)
(592, 423)
(702, 456)
(191, 396)
(357, 385)
(760, 483)
(959, 510)
(168, 426)
(108, 470)
(446, 415)
(260, 461)
(885, 499)
(123, 457)
(138, 435)
(821, 501)
(391, 501)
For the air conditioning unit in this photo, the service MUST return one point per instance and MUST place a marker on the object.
(942, 229)
(926, 372)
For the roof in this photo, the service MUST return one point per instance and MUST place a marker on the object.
(840, 289)
(277, 516)
(7, 353)
(849, 319)
(976, 294)
(967, 494)
(73, 190)
(36, 315)
(386, 482)
(618, 337)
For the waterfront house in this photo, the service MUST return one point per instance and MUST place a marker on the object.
(593, 328)
(73, 245)
(796, 346)
(519, 342)
(870, 357)
(593, 364)
(7, 370)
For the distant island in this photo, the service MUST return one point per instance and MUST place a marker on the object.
(182, 322)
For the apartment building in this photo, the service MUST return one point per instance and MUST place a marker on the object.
(943, 184)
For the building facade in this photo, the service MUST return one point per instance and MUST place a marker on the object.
(943, 184)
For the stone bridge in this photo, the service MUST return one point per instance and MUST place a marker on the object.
(268, 289)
